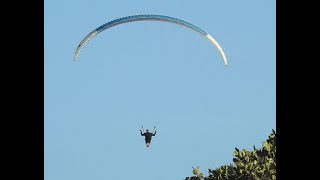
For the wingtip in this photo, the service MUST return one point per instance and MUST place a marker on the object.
(75, 57)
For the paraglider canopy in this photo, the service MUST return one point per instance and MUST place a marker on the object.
(149, 17)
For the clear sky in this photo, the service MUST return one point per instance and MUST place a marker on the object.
(155, 74)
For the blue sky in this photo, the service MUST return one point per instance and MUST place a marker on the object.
(155, 73)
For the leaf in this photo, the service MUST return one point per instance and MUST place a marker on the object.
(235, 153)
(247, 158)
(266, 145)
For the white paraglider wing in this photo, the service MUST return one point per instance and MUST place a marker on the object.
(163, 18)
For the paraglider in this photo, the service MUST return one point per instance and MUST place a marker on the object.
(148, 135)
(149, 17)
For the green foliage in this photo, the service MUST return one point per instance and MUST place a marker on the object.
(259, 164)
(197, 173)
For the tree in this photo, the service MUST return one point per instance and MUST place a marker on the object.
(259, 164)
